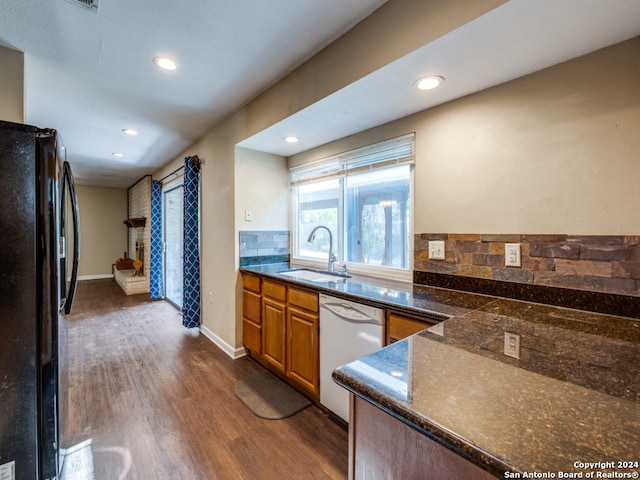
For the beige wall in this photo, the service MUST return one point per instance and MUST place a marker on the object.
(218, 242)
(553, 152)
(103, 236)
(11, 85)
(262, 186)
(408, 24)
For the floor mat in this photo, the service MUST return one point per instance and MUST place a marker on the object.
(269, 397)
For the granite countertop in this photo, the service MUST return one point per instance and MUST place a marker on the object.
(571, 398)
(435, 303)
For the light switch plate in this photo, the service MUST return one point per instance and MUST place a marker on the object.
(436, 249)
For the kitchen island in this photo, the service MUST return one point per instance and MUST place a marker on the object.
(568, 407)
(514, 389)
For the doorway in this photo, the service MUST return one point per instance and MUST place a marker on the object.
(173, 238)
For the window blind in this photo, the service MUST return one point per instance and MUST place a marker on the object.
(396, 151)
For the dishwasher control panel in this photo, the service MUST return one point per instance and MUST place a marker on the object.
(350, 310)
(346, 311)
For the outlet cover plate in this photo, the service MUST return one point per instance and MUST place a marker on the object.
(512, 344)
(512, 255)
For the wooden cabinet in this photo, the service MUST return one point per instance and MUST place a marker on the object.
(381, 446)
(400, 326)
(303, 365)
(252, 313)
(281, 330)
(274, 321)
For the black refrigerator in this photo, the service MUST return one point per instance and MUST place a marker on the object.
(40, 245)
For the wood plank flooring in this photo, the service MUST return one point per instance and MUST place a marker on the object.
(154, 400)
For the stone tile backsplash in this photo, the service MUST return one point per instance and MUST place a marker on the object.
(260, 247)
(606, 264)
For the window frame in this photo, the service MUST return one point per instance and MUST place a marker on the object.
(341, 172)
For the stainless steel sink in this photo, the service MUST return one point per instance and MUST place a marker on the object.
(315, 275)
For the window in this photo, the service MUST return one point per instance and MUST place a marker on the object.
(364, 198)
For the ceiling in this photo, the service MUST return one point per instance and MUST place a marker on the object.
(89, 74)
(515, 39)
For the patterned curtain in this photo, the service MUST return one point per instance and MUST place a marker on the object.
(191, 244)
(157, 278)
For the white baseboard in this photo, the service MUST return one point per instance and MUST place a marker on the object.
(95, 277)
(222, 345)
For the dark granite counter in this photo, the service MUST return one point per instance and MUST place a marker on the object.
(432, 302)
(571, 399)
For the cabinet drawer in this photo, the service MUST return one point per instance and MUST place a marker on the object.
(251, 306)
(274, 290)
(249, 282)
(303, 299)
(400, 326)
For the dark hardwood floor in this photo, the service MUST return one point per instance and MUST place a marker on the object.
(153, 400)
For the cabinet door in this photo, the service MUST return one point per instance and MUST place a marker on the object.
(401, 326)
(381, 446)
(252, 336)
(273, 332)
(303, 349)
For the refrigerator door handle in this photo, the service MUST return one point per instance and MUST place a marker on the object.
(68, 178)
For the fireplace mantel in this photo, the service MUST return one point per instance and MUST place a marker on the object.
(135, 222)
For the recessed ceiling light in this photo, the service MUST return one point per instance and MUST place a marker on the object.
(130, 131)
(429, 82)
(118, 154)
(164, 63)
(291, 139)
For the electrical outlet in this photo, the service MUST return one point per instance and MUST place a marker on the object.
(512, 255)
(436, 249)
(512, 344)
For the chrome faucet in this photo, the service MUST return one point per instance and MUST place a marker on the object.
(332, 257)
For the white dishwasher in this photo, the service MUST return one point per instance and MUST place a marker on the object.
(348, 331)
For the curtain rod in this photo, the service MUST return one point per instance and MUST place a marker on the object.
(172, 173)
(197, 161)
